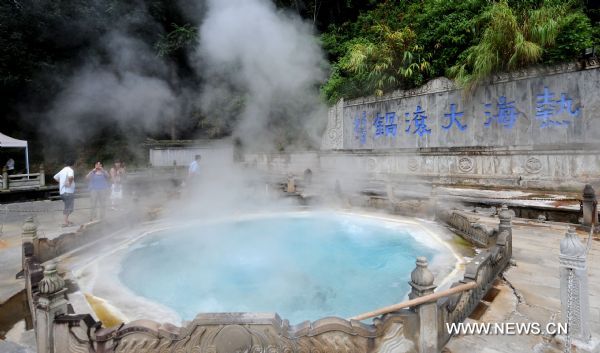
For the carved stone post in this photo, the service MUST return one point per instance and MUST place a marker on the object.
(574, 287)
(4, 178)
(421, 281)
(51, 303)
(29, 235)
(590, 215)
(291, 184)
(42, 175)
(505, 216)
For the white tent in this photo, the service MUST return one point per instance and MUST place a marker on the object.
(9, 142)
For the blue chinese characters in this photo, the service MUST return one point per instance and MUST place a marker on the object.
(419, 121)
(453, 116)
(547, 108)
(506, 116)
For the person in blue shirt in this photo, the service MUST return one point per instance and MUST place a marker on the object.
(99, 183)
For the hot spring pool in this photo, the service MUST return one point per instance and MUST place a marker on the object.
(304, 266)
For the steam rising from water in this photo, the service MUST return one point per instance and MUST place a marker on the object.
(273, 58)
(259, 70)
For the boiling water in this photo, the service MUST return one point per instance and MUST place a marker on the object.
(302, 267)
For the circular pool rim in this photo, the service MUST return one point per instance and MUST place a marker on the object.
(122, 303)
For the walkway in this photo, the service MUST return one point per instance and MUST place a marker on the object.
(531, 291)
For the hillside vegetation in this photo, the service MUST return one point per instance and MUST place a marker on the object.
(372, 47)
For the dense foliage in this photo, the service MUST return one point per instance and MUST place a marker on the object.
(373, 47)
(463, 39)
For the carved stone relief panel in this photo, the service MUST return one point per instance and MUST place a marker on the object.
(259, 333)
(533, 165)
(372, 164)
(466, 164)
(413, 164)
(428, 166)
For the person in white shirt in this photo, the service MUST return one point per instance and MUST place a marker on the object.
(10, 166)
(194, 169)
(66, 182)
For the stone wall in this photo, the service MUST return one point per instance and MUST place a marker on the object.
(518, 167)
(168, 155)
(536, 107)
(534, 128)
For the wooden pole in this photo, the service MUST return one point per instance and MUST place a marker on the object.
(417, 301)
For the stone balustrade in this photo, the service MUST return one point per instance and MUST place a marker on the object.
(476, 233)
(574, 293)
(22, 181)
(418, 329)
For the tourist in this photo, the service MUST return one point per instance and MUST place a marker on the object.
(66, 182)
(10, 166)
(98, 180)
(117, 176)
(194, 169)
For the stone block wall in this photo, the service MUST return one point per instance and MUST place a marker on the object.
(535, 128)
(535, 107)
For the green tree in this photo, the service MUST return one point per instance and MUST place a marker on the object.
(375, 54)
(395, 60)
(445, 29)
(512, 40)
(180, 37)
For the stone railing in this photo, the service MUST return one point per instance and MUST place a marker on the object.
(422, 328)
(58, 329)
(474, 232)
(574, 288)
(482, 269)
(468, 228)
(22, 181)
(45, 249)
(236, 332)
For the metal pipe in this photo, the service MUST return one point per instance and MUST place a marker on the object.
(417, 301)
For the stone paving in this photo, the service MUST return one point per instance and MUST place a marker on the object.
(530, 291)
(48, 216)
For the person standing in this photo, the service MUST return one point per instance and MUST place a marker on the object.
(10, 166)
(117, 176)
(66, 187)
(194, 168)
(98, 180)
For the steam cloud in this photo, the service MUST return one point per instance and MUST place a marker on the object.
(273, 58)
(260, 69)
(128, 89)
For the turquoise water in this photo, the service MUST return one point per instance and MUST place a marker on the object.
(302, 267)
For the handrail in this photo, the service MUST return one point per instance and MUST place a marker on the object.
(22, 175)
(420, 300)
